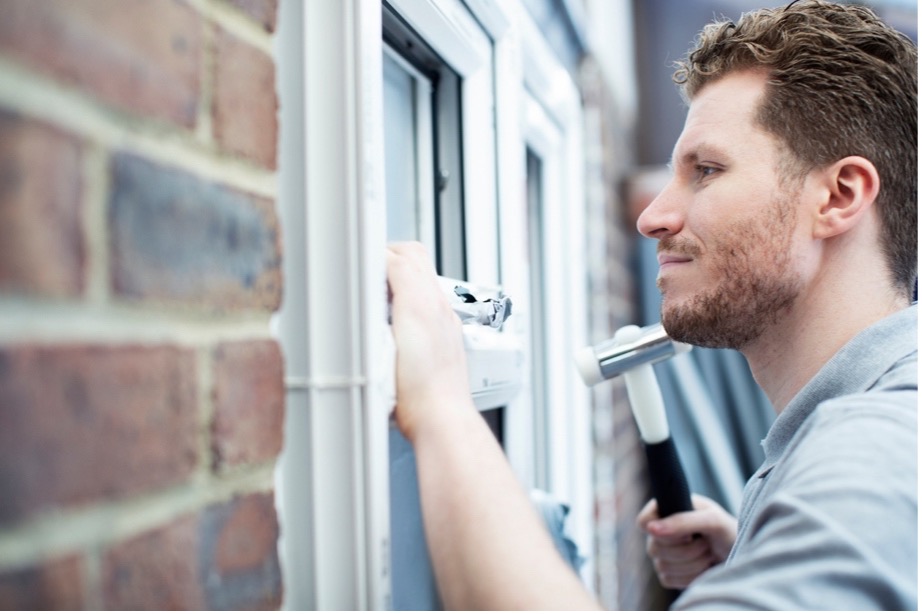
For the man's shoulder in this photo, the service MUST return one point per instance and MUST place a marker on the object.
(860, 434)
(892, 398)
(878, 414)
(867, 436)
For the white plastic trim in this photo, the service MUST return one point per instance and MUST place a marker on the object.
(547, 104)
(450, 30)
(453, 33)
(334, 506)
(491, 15)
(513, 249)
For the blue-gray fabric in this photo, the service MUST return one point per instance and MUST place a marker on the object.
(829, 521)
(555, 515)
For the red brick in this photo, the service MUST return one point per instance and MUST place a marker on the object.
(55, 584)
(239, 548)
(224, 557)
(140, 55)
(178, 238)
(249, 401)
(263, 11)
(42, 249)
(85, 422)
(157, 570)
(245, 100)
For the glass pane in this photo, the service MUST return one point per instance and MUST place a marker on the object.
(400, 155)
(412, 579)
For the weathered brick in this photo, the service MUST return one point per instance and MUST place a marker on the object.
(141, 55)
(249, 401)
(245, 100)
(240, 553)
(224, 557)
(84, 422)
(179, 238)
(157, 570)
(55, 584)
(42, 249)
(263, 11)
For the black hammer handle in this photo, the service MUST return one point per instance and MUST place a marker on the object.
(667, 478)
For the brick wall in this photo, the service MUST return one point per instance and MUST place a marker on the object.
(141, 394)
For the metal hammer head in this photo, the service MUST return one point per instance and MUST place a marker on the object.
(612, 358)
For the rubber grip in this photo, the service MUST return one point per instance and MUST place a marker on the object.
(667, 478)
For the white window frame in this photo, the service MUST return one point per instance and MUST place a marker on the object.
(450, 29)
(333, 475)
(538, 107)
(333, 508)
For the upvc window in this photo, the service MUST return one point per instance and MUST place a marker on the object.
(425, 138)
(343, 65)
(542, 213)
(354, 95)
(423, 145)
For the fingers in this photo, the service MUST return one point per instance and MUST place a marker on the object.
(416, 294)
(684, 545)
(707, 518)
(647, 513)
(677, 565)
(677, 551)
(431, 365)
(681, 525)
(683, 522)
(680, 576)
(410, 254)
(408, 264)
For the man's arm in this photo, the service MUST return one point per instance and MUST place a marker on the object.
(487, 544)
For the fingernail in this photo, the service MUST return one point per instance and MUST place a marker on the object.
(655, 525)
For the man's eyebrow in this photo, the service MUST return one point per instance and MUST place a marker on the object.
(694, 154)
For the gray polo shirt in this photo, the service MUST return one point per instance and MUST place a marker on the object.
(830, 519)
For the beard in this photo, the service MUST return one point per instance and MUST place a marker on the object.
(756, 287)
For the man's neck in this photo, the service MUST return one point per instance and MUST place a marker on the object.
(789, 354)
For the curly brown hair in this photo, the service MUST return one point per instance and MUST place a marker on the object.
(841, 83)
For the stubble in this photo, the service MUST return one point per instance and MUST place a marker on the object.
(756, 283)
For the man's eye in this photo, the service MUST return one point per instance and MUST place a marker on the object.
(703, 171)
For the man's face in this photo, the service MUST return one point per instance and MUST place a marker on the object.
(726, 222)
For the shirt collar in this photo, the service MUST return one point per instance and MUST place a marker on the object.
(854, 368)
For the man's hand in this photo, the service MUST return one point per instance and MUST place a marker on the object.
(489, 549)
(684, 545)
(431, 364)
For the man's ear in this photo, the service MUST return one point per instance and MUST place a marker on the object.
(850, 187)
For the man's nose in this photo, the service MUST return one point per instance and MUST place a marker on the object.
(662, 217)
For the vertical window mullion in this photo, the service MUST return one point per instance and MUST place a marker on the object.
(538, 345)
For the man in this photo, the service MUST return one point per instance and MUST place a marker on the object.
(788, 231)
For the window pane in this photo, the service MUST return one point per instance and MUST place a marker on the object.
(400, 154)
(412, 577)
(405, 138)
